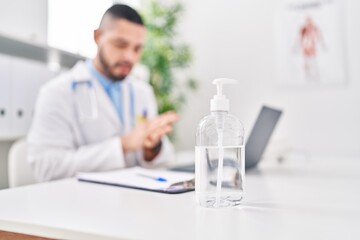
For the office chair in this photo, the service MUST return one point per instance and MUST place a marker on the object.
(19, 169)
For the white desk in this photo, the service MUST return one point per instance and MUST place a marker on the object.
(314, 200)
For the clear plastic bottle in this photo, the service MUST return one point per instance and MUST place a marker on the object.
(219, 155)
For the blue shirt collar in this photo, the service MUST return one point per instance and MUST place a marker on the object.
(104, 81)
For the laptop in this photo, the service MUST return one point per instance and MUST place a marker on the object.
(257, 142)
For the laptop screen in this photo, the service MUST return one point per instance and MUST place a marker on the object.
(260, 135)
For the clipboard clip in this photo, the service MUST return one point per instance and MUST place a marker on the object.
(182, 186)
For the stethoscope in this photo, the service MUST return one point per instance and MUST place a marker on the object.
(87, 104)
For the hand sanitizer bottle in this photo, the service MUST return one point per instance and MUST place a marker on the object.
(219, 154)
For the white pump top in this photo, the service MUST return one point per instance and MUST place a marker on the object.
(219, 102)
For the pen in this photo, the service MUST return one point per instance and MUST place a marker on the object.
(143, 117)
(160, 179)
(145, 114)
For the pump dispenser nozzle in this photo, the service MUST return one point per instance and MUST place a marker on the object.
(219, 102)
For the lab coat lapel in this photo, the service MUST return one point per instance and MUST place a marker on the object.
(127, 105)
(105, 106)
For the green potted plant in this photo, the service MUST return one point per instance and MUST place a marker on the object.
(163, 54)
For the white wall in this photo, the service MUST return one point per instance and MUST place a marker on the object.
(24, 19)
(236, 39)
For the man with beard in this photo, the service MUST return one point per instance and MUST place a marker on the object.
(96, 117)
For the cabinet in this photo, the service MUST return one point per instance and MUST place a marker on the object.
(23, 69)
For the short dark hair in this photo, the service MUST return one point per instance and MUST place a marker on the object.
(122, 11)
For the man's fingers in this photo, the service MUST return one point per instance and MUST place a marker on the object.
(154, 137)
(160, 132)
(170, 117)
(167, 118)
(158, 127)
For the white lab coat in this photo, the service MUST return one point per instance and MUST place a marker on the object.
(61, 143)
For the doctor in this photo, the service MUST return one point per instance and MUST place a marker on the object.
(96, 117)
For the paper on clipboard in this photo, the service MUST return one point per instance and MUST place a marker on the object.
(144, 179)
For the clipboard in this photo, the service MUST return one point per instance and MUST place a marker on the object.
(162, 181)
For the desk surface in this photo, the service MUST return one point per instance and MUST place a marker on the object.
(310, 200)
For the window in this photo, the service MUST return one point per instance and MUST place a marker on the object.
(71, 23)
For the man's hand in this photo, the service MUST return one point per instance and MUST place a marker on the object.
(147, 135)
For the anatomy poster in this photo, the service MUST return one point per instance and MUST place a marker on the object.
(311, 42)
